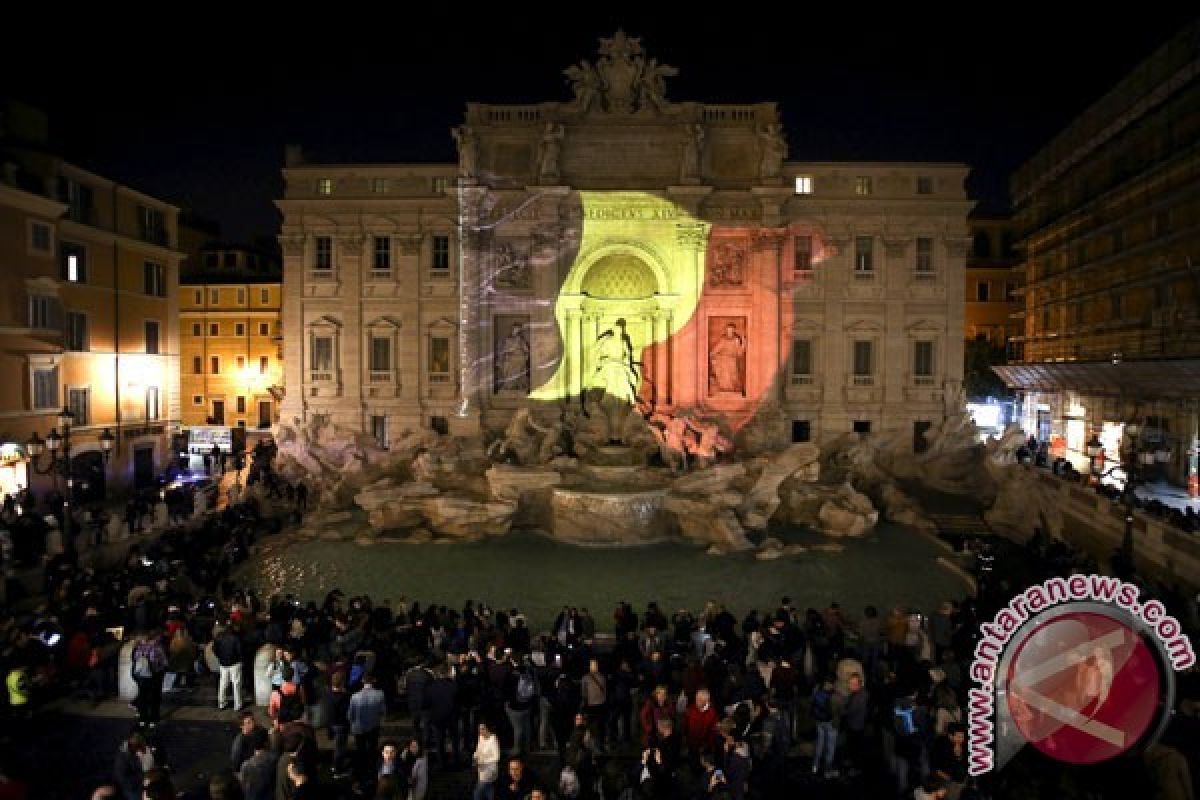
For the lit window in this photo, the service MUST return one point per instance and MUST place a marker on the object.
(74, 262)
(379, 185)
(325, 186)
(440, 184)
(804, 184)
(862, 185)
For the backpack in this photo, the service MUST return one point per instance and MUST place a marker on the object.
(822, 705)
(141, 667)
(526, 688)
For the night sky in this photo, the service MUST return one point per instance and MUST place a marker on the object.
(201, 116)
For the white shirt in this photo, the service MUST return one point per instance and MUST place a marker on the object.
(487, 758)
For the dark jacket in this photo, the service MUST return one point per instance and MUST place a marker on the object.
(257, 776)
(442, 699)
(228, 649)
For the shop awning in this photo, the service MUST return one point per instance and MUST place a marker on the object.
(1148, 379)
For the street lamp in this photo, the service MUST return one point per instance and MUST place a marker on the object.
(58, 448)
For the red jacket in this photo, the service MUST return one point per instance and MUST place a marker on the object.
(700, 728)
(651, 713)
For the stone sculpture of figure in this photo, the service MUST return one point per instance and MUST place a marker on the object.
(725, 362)
(693, 146)
(671, 433)
(709, 442)
(585, 83)
(512, 362)
(512, 270)
(653, 86)
(616, 375)
(468, 151)
(774, 151)
(551, 149)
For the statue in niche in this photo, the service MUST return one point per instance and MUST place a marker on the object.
(725, 361)
(512, 268)
(693, 147)
(774, 151)
(616, 375)
(468, 151)
(729, 265)
(551, 149)
(512, 361)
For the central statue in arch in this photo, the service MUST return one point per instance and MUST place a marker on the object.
(616, 377)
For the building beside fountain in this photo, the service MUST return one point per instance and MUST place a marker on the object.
(618, 257)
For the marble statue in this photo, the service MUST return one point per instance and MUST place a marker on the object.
(512, 361)
(725, 362)
(622, 81)
(693, 146)
(586, 84)
(551, 149)
(468, 151)
(774, 151)
(617, 376)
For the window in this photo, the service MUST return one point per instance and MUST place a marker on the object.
(218, 413)
(379, 430)
(151, 402)
(154, 281)
(325, 186)
(441, 252)
(1116, 302)
(381, 354)
(804, 184)
(241, 297)
(802, 361)
(197, 365)
(924, 184)
(862, 360)
(239, 329)
(214, 297)
(862, 254)
(322, 354)
(78, 199)
(439, 359)
(214, 363)
(241, 363)
(264, 363)
(803, 253)
(862, 185)
(264, 329)
(924, 254)
(379, 185)
(230, 259)
(982, 290)
(214, 329)
(43, 312)
(73, 260)
(383, 253)
(922, 360)
(324, 255)
(197, 399)
(440, 184)
(241, 405)
(78, 402)
(76, 331)
(152, 337)
(152, 225)
(45, 388)
(198, 297)
(264, 296)
(862, 426)
(39, 238)
(801, 430)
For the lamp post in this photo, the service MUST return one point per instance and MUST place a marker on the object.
(58, 448)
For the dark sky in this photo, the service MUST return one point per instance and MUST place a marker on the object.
(200, 114)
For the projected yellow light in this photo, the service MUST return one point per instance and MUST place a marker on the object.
(635, 283)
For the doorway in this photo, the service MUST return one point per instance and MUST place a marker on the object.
(143, 467)
(218, 415)
(264, 413)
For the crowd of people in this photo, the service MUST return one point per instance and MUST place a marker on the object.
(386, 700)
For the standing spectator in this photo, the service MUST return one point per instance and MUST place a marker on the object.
(243, 743)
(366, 712)
(337, 707)
(417, 765)
(853, 719)
(517, 784)
(134, 760)
(228, 651)
(149, 666)
(257, 773)
(415, 681)
(595, 699)
(700, 725)
(443, 716)
(821, 712)
(521, 697)
(486, 760)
